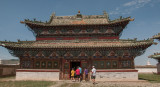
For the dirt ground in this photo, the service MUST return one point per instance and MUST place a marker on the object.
(106, 84)
(68, 83)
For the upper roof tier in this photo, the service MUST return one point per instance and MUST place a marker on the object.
(79, 44)
(78, 19)
(78, 26)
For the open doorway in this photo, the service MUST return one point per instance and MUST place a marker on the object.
(74, 65)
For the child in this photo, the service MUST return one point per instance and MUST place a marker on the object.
(72, 74)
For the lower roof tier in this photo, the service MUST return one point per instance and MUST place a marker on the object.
(155, 56)
(79, 44)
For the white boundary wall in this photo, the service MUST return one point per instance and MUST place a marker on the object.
(147, 70)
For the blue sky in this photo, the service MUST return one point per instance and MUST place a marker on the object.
(145, 12)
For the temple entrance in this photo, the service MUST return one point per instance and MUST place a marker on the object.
(74, 65)
(67, 66)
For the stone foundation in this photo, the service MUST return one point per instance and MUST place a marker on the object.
(37, 74)
(117, 75)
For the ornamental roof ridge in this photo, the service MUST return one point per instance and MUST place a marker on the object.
(76, 44)
(77, 40)
(77, 20)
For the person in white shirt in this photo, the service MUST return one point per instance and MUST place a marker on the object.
(93, 75)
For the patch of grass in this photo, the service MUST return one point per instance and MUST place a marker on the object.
(149, 77)
(7, 77)
(26, 83)
(70, 85)
(64, 85)
(75, 85)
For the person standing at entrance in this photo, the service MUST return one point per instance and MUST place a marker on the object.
(72, 74)
(93, 75)
(78, 74)
(86, 74)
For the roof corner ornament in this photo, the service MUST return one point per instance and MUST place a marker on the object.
(3, 45)
(155, 43)
(53, 14)
(106, 14)
(18, 40)
(22, 22)
(51, 17)
(79, 15)
(131, 19)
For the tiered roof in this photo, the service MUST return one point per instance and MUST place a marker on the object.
(79, 44)
(156, 55)
(78, 19)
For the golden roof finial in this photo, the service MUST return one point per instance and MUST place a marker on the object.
(79, 11)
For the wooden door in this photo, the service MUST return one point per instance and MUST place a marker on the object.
(84, 64)
(66, 70)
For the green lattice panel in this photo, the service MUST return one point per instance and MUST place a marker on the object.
(108, 64)
(49, 65)
(64, 30)
(89, 30)
(66, 66)
(56, 65)
(95, 63)
(102, 30)
(46, 53)
(37, 64)
(51, 31)
(43, 64)
(101, 65)
(129, 64)
(33, 53)
(18, 53)
(76, 30)
(114, 64)
(84, 65)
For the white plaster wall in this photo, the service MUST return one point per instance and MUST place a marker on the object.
(147, 70)
(46, 76)
(116, 76)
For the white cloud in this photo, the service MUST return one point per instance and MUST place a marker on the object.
(136, 3)
(130, 3)
(129, 7)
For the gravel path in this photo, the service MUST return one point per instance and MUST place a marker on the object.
(121, 84)
(107, 84)
(69, 83)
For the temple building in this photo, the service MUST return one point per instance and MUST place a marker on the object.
(156, 56)
(65, 42)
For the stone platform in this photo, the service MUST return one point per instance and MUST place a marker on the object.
(37, 74)
(101, 75)
(117, 75)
